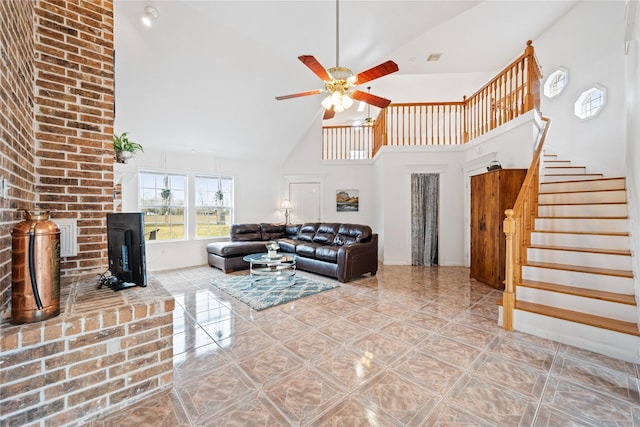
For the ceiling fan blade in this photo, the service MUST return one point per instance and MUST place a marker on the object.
(377, 72)
(376, 101)
(328, 114)
(298, 95)
(315, 66)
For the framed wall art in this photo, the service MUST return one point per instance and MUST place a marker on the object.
(347, 200)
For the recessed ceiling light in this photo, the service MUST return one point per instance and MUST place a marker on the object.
(433, 57)
(150, 15)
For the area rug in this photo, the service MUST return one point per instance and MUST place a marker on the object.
(265, 293)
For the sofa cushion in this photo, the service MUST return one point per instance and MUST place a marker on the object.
(271, 231)
(245, 232)
(288, 245)
(307, 231)
(352, 233)
(327, 253)
(326, 233)
(307, 249)
(230, 249)
(291, 230)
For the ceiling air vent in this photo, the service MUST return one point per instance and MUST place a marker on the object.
(433, 57)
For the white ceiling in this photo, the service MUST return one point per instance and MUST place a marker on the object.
(203, 78)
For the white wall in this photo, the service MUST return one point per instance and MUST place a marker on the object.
(632, 101)
(588, 43)
(305, 163)
(385, 185)
(256, 198)
(398, 165)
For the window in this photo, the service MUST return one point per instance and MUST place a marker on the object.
(162, 200)
(555, 83)
(590, 102)
(213, 206)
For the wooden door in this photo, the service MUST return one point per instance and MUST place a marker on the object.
(484, 192)
(491, 194)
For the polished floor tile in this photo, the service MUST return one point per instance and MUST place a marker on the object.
(412, 346)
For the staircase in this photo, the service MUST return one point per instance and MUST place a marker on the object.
(577, 284)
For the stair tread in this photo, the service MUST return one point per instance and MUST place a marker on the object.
(601, 190)
(595, 233)
(599, 175)
(582, 217)
(585, 180)
(582, 292)
(581, 203)
(581, 269)
(586, 250)
(578, 317)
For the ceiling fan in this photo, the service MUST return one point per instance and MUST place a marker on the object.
(368, 121)
(340, 82)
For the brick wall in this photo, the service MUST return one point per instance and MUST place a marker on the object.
(16, 126)
(74, 121)
(56, 70)
(105, 349)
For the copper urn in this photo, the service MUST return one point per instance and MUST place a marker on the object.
(35, 269)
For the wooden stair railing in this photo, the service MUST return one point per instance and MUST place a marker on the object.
(517, 229)
(512, 92)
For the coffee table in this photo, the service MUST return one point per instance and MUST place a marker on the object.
(281, 266)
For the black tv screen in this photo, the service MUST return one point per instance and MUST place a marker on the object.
(125, 237)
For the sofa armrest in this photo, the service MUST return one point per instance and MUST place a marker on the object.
(357, 259)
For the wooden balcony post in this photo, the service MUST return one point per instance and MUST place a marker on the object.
(508, 296)
(465, 125)
(532, 97)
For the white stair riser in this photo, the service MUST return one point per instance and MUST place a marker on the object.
(584, 259)
(614, 344)
(612, 310)
(569, 177)
(580, 224)
(555, 162)
(564, 170)
(613, 196)
(591, 185)
(620, 285)
(580, 240)
(595, 210)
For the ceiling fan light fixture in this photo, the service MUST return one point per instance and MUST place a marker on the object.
(342, 73)
(326, 103)
(336, 99)
(347, 101)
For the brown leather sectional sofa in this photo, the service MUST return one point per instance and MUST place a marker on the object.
(342, 251)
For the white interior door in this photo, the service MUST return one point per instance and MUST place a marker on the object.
(305, 202)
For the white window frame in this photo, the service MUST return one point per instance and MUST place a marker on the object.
(185, 206)
(228, 203)
(552, 80)
(578, 106)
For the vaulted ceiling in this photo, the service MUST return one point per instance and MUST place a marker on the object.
(204, 77)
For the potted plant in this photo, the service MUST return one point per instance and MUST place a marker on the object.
(124, 147)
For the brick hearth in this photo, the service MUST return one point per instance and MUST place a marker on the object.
(106, 349)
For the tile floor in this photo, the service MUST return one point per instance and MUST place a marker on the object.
(411, 346)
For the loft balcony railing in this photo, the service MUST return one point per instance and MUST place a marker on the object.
(511, 93)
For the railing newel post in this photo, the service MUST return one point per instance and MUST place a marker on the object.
(508, 295)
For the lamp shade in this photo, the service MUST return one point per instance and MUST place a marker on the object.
(286, 204)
